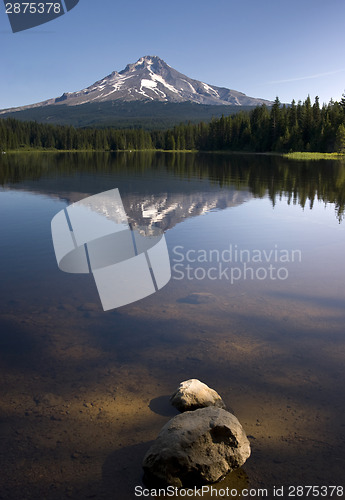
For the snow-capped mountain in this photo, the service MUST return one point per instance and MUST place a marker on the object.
(151, 79)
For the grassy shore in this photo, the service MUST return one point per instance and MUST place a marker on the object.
(314, 156)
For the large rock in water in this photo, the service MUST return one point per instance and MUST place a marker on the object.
(193, 394)
(197, 447)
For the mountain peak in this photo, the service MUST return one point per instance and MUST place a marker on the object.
(146, 62)
(152, 79)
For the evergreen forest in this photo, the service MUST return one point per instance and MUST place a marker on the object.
(304, 126)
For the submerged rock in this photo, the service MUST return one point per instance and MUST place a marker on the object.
(193, 394)
(198, 298)
(197, 447)
(48, 400)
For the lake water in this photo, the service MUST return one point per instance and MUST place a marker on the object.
(255, 309)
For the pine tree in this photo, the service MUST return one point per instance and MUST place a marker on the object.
(340, 139)
(342, 102)
(275, 118)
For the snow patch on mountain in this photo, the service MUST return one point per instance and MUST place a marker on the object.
(209, 89)
(158, 78)
(148, 83)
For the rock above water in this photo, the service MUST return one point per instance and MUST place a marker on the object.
(193, 394)
(197, 447)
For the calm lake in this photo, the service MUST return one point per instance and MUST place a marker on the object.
(255, 309)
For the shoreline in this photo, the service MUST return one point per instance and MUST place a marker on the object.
(296, 155)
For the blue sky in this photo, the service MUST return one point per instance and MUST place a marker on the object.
(263, 48)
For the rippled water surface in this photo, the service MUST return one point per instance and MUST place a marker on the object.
(255, 309)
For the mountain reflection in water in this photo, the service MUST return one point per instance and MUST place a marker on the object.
(192, 184)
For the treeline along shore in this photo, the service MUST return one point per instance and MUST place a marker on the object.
(304, 126)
